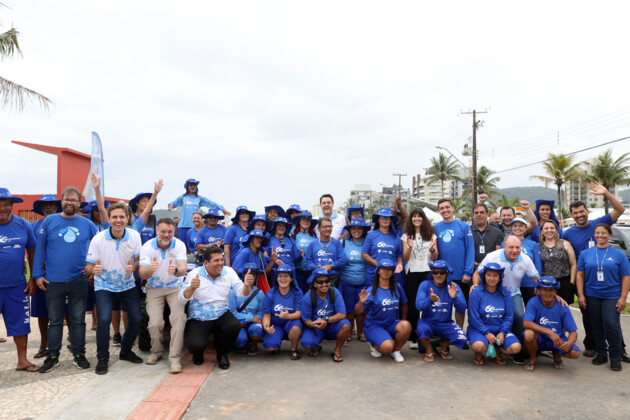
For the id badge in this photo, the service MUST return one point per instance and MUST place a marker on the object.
(482, 249)
(591, 243)
(600, 276)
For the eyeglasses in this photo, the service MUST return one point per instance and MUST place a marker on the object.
(438, 272)
(71, 201)
(323, 281)
(326, 227)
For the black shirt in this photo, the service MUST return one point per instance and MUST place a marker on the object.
(491, 239)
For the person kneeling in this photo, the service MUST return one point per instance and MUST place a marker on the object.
(249, 312)
(435, 302)
(545, 323)
(490, 316)
(383, 329)
(324, 315)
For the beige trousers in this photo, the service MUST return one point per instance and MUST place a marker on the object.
(156, 298)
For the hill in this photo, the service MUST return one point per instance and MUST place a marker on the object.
(530, 194)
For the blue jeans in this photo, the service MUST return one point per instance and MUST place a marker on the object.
(606, 326)
(130, 303)
(519, 314)
(76, 291)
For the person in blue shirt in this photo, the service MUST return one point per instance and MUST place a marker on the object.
(141, 206)
(303, 234)
(274, 211)
(352, 212)
(326, 252)
(198, 223)
(292, 211)
(382, 243)
(545, 323)
(236, 231)
(529, 248)
(490, 316)
(582, 236)
(384, 328)
(456, 246)
(324, 316)
(282, 314)
(251, 252)
(282, 247)
(16, 240)
(435, 301)
(248, 309)
(211, 234)
(544, 210)
(191, 202)
(603, 280)
(353, 273)
(58, 268)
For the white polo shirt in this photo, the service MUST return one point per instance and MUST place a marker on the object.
(114, 255)
(176, 252)
(338, 222)
(514, 271)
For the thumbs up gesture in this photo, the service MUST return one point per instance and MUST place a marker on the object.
(195, 283)
(434, 297)
(129, 267)
(171, 267)
(98, 268)
(249, 278)
(154, 264)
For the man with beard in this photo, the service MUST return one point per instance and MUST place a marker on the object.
(59, 271)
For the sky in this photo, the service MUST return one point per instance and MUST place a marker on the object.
(278, 102)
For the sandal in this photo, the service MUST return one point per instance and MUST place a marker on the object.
(29, 368)
(347, 342)
(478, 362)
(529, 367)
(314, 352)
(558, 364)
(253, 350)
(499, 361)
(362, 338)
(354, 332)
(337, 358)
(41, 353)
(445, 355)
(295, 355)
(429, 357)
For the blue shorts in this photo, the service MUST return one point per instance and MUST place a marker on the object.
(350, 293)
(474, 336)
(15, 309)
(448, 331)
(545, 344)
(378, 335)
(38, 304)
(273, 341)
(312, 337)
(254, 329)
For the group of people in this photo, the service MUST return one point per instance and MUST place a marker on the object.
(284, 275)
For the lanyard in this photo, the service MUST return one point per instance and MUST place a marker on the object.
(600, 267)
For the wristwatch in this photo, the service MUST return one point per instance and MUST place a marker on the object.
(175, 273)
(326, 319)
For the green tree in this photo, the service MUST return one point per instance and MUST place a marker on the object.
(559, 170)
(486, 183)
(504, 201)
(610, 172)
(442, 169)
(13, 95)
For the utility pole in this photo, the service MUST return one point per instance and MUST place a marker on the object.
(400, 185)
(475, 126)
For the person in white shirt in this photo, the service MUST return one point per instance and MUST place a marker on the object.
(327, 205)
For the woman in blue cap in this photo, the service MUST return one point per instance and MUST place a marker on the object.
(191, 202)
(352, 212)
(236, 231)
(544, 210)
(353, 273)
(490, 316)
(282, 247)
(273, 211)
(303, 235)
(249, 311)
(292, 211)
(141, 207)
(252, 251)
(382, 243)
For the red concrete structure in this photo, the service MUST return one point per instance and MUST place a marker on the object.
(73, 168)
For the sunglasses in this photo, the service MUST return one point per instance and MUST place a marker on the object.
(322, 282)
(438, 272)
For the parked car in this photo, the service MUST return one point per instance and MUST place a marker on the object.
(620, 238)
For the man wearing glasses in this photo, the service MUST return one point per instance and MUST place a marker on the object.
(211, 234)
(58, 269)
(326, 252)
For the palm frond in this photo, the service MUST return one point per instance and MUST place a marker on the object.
(13, 95)
(9, 43)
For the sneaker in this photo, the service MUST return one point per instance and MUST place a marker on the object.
(81, 362)
(398, 358)
(599, 359)
(517, 359)
(198, 359)
(625, 358)
(50, 363)
(374, 352)
(101, 366)
(589, 353)
(413, 345)
(117, 339)
(153, 359)
(176, 367)
(615, 365)
(130, 356)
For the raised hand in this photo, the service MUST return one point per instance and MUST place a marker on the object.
(227, 213)
(597, 188)
(154, 264)
(195, 282)
(249, 278)
(171, 267)
(363, 295)
(96, 182)
(483, 198)
(98, 268)
(158, 186)
(525, 204)
(434, 297)
(129, 267)
(452, 290)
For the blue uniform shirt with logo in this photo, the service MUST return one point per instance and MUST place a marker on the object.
(381, 246)
(354, 272)
(490, 312)
(253, 309)
(275, 302)
(456, 246)
(233, 237)
(207, 236)
(323, 307)
(614, 265)
(579, 237)
(324, 253)
(191, 204)
(557, 318)
(440, 311)
(16, 237)
(382, 308)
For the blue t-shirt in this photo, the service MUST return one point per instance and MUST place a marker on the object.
(253, 308)
(275, 302)
(382, 308)
(206, 236)
(233, 237)
(247, 257)
(16, 237)
(491, 312)
(530, 248)
(381, 246)
(323, 307)
(62, 245)
(579, 237)
(302, 240)
(191, 204)
(557, 318)
(356, 267)
(330, 253)
(456, 246)
(614, 265)
(288, 253)
(439, 311)
(146, 232)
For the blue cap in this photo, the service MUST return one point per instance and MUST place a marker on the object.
(5, 194)
(492, 266)
(46, 198)
(93, 205)
(440, 265)
(258, 233)
(256, 218)
(357, 223)
(213, 212)
(277, 208)
(285, 268)
(386, 264)
(518, 220)
(385, 212)
(354, 208)
(242, 209)
(133, 203)
(320, 272)
(548, 282)
(279, 220)
(305, 215)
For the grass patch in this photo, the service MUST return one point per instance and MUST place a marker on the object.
(626, 310)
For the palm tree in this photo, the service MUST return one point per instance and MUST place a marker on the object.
(442, 169)
(11, 93)
(610, 172)
(486, 183)
(560, 169)
(504, 201)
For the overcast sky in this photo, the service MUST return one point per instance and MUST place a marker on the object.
(278, 102)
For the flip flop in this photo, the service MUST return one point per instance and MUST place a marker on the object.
(28, 369)
(362, 338)
(41, 353)
(314, 352)
(3, 340)
(529, 367)
(446, 355)
(498, 361)
(558, 364)
(347, 343)
(295, 355)
(429, 357)
(478, 362)
(336, 357)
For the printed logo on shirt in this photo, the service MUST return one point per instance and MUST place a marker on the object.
(384, 245)
(491, 309)
(322, 312)
(278, 308)
(447, 235)
(543, 321)
(69, 234)
(322, 253)
(5, 239)
(355, 253)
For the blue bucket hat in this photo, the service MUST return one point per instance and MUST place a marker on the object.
(242, 209)
(320, 272)
(357, 223)
(249, 266)
(255, 232)
(191, 181)
(213, 212)
(280, 220)
(293, 208)
(5, 194)
(385, 212)
(550, 203)
(354, 208)
(440, 265)
(133, 203)
(280, 210)
(46, 198)
(492, 266)
(548, 282)
(285, 268)
(386, 264)
(305, 215)
(93, 205)
(256, 218)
